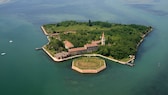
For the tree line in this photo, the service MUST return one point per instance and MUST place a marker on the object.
(121, 39)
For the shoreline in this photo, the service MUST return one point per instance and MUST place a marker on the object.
(143, 37)
(44, 31)
(4, 1)
(130, 62)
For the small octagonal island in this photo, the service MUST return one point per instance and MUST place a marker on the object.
(88, 64)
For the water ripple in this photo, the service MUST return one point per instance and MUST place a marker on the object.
(149, 8)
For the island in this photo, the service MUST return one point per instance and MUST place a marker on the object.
(88, 64)
(116, 42)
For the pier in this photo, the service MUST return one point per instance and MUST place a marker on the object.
(130, 64)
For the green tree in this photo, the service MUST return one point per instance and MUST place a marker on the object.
(90, 23)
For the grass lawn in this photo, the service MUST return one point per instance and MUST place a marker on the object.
(120, 39)
(50, 29)
(125, 59)
(88, 62)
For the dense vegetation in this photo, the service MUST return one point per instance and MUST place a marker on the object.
(55, 45)
(121, 39)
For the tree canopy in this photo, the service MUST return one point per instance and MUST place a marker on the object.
(121, 39)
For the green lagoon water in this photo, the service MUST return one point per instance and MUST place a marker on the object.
(24, 71)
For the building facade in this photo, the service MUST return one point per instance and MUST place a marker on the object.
(87, 48)
(102, 39)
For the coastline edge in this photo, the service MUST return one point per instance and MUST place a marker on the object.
(129, 62)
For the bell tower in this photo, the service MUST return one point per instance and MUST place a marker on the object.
(102, 39)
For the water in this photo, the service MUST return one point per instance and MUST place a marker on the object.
(24, 71)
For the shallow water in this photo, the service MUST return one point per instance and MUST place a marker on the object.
(24, 71)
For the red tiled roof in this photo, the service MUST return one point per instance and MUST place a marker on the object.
(91, 45)
(68, 44)
(61, 54)
(76, 49)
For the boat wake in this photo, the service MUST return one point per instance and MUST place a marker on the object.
(3, 53)
(10, 41)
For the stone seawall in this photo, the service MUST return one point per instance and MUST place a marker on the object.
(129, 62)
(88, 70)
(44, 31)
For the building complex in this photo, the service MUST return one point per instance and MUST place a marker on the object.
(87, 48)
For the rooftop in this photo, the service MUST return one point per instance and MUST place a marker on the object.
(61, 54)
(77, 49)
(91, 45)
(68, 44)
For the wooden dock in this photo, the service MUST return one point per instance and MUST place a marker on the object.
(130, 64)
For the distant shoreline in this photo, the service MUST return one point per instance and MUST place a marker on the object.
(4, 1)
(130, 62)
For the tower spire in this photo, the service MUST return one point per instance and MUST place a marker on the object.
(103, 39)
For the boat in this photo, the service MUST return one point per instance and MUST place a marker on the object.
(10, 41)
(38, 48)
(158, 64)
(3, 53)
